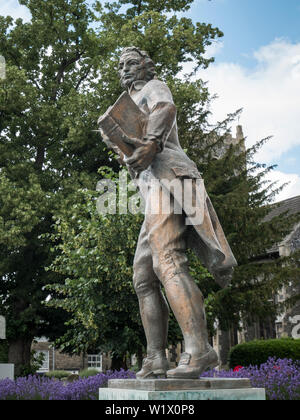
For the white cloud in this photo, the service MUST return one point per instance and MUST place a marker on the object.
(291, 190)
(14, 9)
(214, 49)
(269, 95)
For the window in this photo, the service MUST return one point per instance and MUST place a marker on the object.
(45, 365)
(95, 361)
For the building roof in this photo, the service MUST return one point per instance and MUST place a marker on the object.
(290, 206)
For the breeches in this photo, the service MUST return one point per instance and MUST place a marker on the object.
(161, 249)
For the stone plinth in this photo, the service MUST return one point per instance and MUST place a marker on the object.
(7, 371)
(181, 389)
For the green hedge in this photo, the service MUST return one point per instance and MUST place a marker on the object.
(258, 351)
(57, 374)
(88, 372)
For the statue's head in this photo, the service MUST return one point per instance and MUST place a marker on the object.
(135, 65)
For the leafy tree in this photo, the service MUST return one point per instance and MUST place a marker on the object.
(96, 257)
(47, 150)
(60, 77)
(57, 85)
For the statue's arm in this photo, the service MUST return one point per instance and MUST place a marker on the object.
(161, 120)
(162, 115)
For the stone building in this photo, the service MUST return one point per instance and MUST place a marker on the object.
(288, 323)
(285, 323)
(56, 360)
(229, 140)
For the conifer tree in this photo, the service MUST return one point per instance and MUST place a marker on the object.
(243, 197)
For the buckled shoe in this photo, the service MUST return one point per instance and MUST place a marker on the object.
(154, 366)
(191, 367)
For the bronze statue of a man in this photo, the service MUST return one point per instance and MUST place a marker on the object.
(160, 258)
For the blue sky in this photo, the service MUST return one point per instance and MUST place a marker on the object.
(257, 68)
(248, 24)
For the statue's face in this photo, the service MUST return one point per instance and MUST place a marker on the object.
(131, 69)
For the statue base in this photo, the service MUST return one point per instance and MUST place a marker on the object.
(181, 389)
(7, 371)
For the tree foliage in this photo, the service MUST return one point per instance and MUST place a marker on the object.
(60, 76)
(47, 150)
(95, 257)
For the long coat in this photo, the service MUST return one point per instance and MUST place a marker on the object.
(205, 234)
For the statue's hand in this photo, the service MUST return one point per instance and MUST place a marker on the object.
(143, 155)
(121, 158)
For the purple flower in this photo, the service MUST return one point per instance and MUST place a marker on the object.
(279, 377)
(43, 388)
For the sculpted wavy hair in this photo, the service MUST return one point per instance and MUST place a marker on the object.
(147, 64)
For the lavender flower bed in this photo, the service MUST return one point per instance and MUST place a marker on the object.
(280, 378)
(42, 388)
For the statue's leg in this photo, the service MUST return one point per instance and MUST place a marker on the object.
(154, 310)
(167, 240)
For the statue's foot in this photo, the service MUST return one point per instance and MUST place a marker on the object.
(191, 367)
(154, 367)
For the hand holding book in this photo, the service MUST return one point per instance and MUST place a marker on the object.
(123, 129)
(143, 155)
(123, 125)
